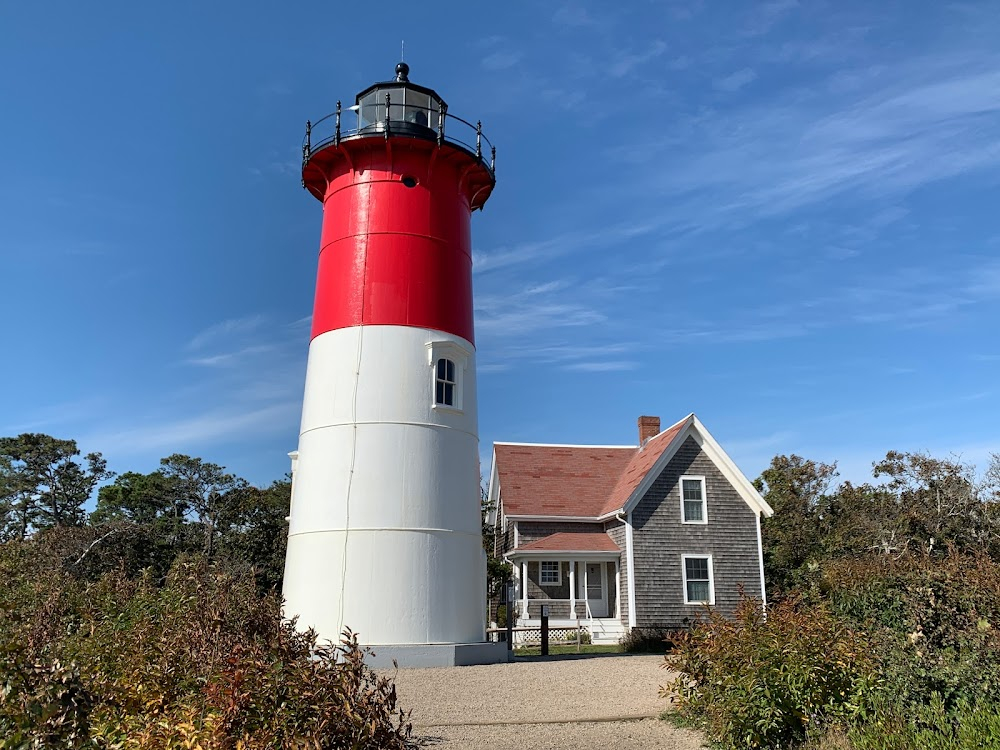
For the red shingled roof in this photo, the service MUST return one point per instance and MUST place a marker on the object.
(569, 480)
(573, 541)
(642, 461)
(558, 480)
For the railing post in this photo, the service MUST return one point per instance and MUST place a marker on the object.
(479, 139)
(510, 615)
(307, 148)
(493, 158)
(387, 115)
(440, 123)
(545, 630)
(336, 135)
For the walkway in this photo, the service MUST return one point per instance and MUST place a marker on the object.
(553, 703)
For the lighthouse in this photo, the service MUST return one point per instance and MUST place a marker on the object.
(384, 528)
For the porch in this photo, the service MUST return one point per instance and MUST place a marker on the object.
(572, 589)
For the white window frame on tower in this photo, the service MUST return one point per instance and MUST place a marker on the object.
(459, 357)
(445, 382)
(704, 499)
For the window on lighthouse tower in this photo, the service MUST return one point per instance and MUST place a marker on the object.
(445, 383)
(447, 362)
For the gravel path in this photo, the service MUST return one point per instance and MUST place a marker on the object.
(550, 704)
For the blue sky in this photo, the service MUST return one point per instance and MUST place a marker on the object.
(781, 216)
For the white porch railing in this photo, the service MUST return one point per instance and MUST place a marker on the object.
(559, 608)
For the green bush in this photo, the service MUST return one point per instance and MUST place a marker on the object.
(931, 727)
(199, 659)
(646, 640)
(937, 620)
(763, 683)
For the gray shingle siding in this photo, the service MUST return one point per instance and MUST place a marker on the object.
(616, 530)
(660, 538)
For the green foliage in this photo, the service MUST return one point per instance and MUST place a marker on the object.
(765, 683)
(197, 660)
(886, 630)
(136, 498)
(930, 727)
(43, 483)
(937, 620)
(795, 488)
(646, 641)
(257, 533)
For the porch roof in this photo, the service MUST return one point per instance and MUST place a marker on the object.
(571, 541)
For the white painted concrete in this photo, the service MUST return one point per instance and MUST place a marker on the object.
(384, 533)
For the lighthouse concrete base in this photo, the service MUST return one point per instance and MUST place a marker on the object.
(423, 655)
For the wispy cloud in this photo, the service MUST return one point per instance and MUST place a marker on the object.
(765, 16)
(226, 330)
(931, 120)
(531, 310)
(626, 60)
(502, 59)
(229, 359)
(605, 366)
(194, 432)
(573, 14)
(736, 81)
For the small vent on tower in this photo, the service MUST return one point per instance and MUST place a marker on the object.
(409, 181)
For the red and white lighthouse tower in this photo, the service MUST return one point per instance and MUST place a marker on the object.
(384, 528)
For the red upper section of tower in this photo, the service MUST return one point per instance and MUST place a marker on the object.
(396, 243)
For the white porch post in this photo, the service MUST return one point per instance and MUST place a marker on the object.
(586, 594)
(524, 589)
(572, 589)
(618, 588)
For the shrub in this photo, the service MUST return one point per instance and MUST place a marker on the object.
(763, 683)
(646, 641)
(937, 621)
(199, 659)
(930, 727)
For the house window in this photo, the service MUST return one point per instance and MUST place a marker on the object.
(445, 383)
(550, 574)
(694, 509)
(699, 587)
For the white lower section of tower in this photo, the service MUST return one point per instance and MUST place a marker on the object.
(384, 528)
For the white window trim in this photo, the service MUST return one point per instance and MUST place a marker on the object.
(711, 578)
(558, 581)
(704, 498)
(448, 350)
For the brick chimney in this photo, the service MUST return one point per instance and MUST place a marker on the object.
(648, 427)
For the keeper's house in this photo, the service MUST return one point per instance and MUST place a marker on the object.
(620, 537)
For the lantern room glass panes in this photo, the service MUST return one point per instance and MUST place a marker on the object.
(405, 106)
(445, 382)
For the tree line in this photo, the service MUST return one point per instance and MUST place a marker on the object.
(187, 506)
(916, 504)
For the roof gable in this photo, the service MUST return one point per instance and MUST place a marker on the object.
(693, 427)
